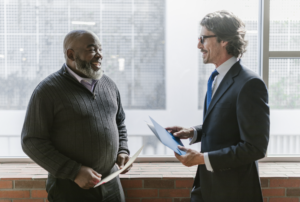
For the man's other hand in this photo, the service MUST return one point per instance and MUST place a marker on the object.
(87, 178)
(180, 132)
(122, 160)
(191, 158)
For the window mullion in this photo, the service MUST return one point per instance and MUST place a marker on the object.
(265, 41)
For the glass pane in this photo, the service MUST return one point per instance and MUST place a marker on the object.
(85, 15)
(1, 18)
(53, 17)
(21, 16)
(284, 99)
(284, 25)
(31, 39)
(2, 55)
(247, 11)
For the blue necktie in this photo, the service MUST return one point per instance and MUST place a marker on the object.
(209, 87)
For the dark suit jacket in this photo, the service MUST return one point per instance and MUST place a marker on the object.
(235, 133)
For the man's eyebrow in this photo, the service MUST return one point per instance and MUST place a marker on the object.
(90, 45)
(93, 45)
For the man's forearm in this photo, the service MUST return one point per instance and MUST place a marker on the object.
(44, 154)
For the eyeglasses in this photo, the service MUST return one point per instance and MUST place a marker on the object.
(201, 38)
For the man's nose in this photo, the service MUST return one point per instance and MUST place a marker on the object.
(200, 45)
(99, 55)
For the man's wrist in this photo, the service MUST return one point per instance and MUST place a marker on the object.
(201, 159)
(191, 132)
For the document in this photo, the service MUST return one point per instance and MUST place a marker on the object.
(115, 174)
(166, 138)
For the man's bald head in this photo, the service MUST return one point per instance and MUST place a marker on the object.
(73, 38)
(82, 50)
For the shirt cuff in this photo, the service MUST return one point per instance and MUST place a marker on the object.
(193, 140)
(207, 162)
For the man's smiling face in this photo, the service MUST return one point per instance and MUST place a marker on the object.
(88, 56)
(210, 48)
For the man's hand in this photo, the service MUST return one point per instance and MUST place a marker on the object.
(191, 157)
(122, 160)
(180, 132)
(87, 178)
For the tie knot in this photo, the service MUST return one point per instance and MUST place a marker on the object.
(214, 74)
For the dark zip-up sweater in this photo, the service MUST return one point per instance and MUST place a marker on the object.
(67, 126)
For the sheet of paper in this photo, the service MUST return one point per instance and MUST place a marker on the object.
(154, 131)
(167, 138)
(115, 174)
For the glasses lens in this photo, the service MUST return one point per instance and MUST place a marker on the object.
(201, 39)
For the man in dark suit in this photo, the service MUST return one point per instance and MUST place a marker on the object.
(235, 129)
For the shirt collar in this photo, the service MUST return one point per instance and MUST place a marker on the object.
(77, 77)
(225, 67)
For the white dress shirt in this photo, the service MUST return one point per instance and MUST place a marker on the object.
(222, 70)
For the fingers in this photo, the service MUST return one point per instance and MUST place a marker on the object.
(95, 178)
(126, 159)
(182, 148)
(121, 161)
(173, 129)
(97, 174)
(179, 133)
(177, 156)
(127, 170)
(130, 166)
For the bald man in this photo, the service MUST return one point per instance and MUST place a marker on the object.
(74, 126)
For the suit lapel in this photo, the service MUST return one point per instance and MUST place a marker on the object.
(204, 108)
(223, 87)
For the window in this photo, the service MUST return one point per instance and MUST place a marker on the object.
(150, 51)
(284, 78)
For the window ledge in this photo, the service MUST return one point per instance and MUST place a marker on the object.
(158, 170)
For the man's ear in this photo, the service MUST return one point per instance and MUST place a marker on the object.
(224, 44)
(71, 54)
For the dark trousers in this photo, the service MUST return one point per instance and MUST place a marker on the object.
(64, 190)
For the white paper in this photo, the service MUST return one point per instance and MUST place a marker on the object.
(115, 174)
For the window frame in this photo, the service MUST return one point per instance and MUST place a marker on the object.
(265, 56)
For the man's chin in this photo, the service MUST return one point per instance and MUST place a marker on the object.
(91, 73)
(97, 74)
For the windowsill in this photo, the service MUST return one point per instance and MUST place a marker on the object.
(155, 170)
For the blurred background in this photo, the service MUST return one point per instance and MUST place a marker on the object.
(150, 51)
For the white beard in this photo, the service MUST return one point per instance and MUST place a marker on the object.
(86, 69)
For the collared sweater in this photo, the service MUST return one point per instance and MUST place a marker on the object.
(67, 126)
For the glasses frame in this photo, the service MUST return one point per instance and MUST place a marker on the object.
(201, 38)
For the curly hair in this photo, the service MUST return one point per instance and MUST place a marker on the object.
(227, 27)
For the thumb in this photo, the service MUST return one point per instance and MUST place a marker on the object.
(182, 148)
(177, 133)
(121, 162)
